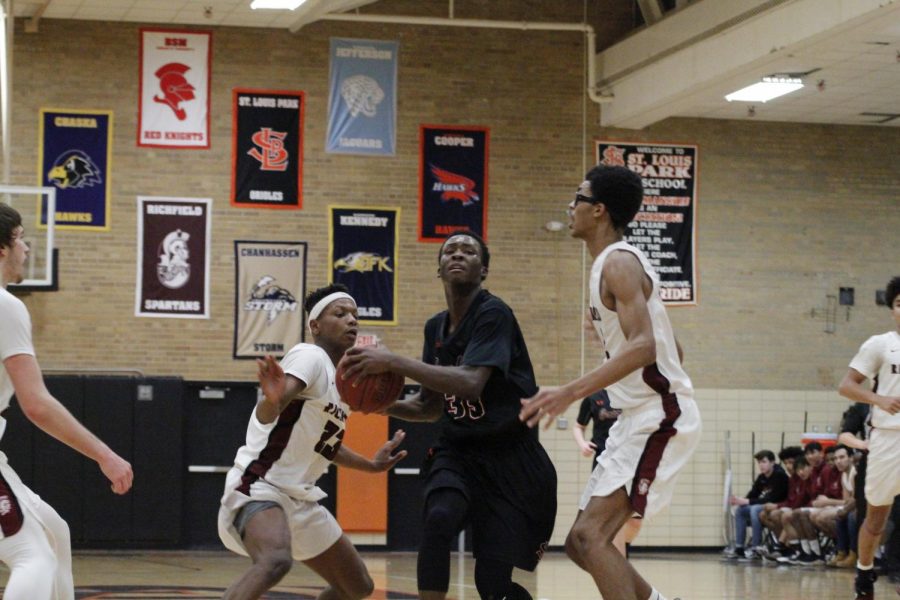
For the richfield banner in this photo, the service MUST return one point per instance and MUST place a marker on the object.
(74, 156)
(174, 94)
(267, 149)
(362, 101)
(363, 254)
(270, 285)
(453, 181)
(173, 257)
(664, 229)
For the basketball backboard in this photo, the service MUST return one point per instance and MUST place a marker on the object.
(40, 270)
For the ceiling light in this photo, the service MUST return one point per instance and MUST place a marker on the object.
(765, 90)
(276, 4)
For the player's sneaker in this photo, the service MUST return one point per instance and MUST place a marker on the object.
(865, 584)
(732, 553)
(790, 558)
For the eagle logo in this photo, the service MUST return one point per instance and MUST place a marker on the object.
(453, 186)
(74, 169)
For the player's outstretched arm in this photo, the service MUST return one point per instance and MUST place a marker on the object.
(384, 460)
(52, 417)
(427, 406)
(278, 389)
(852, 388)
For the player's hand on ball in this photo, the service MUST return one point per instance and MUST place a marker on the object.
(547, 404)
(271, 378)
(385, 459)
(361, 361)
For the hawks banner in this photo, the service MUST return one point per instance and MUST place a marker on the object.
(363, 254)
(74, 155)
(362, 101)
(270, 285)
(267, 149)
(664, 229)
(453, 181)
(173, 257)
(173, 109)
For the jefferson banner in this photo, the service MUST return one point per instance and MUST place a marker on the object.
(362, 254)
(173, 257)
(74, 156)
(664, 229)
(173, 110)
(270, 285)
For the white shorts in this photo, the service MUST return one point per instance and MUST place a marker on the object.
(883, 467)
(646, 448)
(313, 529)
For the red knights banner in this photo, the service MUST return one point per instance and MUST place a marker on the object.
(174, 88)
(453, 181)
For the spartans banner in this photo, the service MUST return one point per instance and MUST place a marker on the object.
(74, 150)
(453, 181)
(173, 110)
(363, 254)
(267, 149)
(270, 285)
(362, 100)
(173, 257)
(664, 229)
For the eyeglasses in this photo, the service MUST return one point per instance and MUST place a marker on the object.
(570, 210)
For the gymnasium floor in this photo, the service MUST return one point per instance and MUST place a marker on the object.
(203, 575)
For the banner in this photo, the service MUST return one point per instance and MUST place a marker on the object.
(664, 229)
(362, 101)
(362, 252)
(74, 156)
(453, 181)
(173, 110)
(270, 285)
(267, 149)
(173, 257)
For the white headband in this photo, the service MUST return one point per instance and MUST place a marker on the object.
(321, 304)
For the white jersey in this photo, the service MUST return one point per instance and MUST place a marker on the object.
(296, 449)
(663, 377)
(879, 360)
(15, 338)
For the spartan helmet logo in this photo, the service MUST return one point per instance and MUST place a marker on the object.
(175, 88)
(362, 95)
(173, 269)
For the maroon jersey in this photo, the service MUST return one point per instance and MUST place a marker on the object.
(799, 493)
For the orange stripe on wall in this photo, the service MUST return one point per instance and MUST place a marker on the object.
(362, 497)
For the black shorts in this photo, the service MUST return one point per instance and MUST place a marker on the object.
(511, 489)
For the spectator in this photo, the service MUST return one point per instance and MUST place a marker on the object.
(771, 486)
(594, 408)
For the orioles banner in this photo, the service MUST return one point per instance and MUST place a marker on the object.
(267, 149)
(270, 285)
(453, 181)
(362, 253)
(173, 109)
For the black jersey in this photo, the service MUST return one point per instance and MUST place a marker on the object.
(488, 336)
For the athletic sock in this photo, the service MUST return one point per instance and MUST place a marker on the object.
(804, 545)
(654, 595)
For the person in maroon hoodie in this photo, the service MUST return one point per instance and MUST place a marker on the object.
(798, 497)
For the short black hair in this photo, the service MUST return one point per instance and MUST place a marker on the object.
(800, 462)
(812, 447)
(314, 296)
(893, 290)
(10, 220)
(620, 189)
(843, 447)
(485, 253)
(767, 454)
(829, 450)
(790, 452)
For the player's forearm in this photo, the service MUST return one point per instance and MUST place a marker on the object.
(47, 413)
(457, 381)
(848, 439)
(857, 392)
(346, 457)
(636, 355)
(415, 409)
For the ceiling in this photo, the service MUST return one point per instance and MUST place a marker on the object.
(855, 55)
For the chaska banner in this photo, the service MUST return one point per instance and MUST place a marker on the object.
(173, 257)
(173, 109)
(664, 229)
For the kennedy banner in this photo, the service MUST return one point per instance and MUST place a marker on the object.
(74, 156)
(173, 257)
(174, 88)
(362, 253)
(664, 229)
(453, 181)
(270, 285)
(362, 101)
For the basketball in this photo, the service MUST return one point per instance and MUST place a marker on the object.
(373, 393)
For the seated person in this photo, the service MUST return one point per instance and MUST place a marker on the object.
(771, 486)
(786, 456)
(798, 496)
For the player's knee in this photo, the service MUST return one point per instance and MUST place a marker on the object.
(439, 522)
(578, 543)
(276, 565)
(358, 587)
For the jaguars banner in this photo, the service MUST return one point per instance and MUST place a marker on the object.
(74, 155)
(173, 257)
(173, 109)
(362, 101)
(270, 285)
(267, 149)
(453, 181)
(362, 252)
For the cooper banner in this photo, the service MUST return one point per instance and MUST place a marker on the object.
(173, 257)
(173, 110)
(267, 149)
(270, 285)
(664, 229)
(362, 254)
(74, 155)
(362, 100)
(453, 181)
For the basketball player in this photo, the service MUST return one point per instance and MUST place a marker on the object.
(270, 510)
(34, 540)
(487, 468)
(879, 361)
(660, 424)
